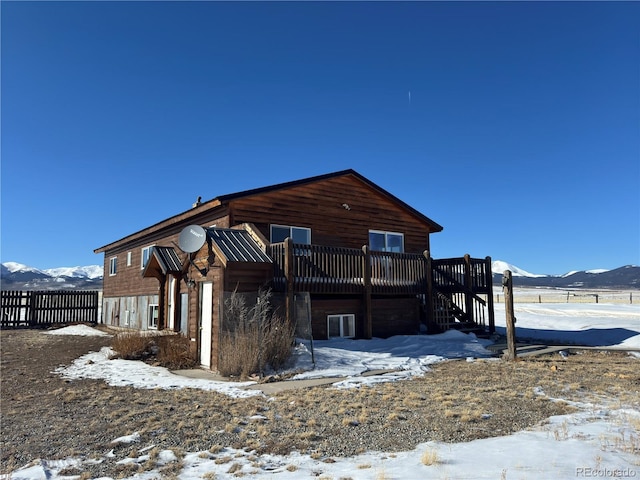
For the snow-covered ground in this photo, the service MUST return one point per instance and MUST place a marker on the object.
(600, 441)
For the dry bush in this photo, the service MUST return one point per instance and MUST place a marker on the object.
(254, 337)
(174, 352)
(131, 345)
(170, 351)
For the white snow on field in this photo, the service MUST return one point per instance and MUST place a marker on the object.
(600, 441)
(80, 330)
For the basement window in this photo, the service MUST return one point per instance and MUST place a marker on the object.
(154, 311)
(343, 325)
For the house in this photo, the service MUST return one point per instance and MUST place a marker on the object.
(340, 254)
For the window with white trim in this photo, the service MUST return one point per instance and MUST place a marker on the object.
(152, 317)
(146, 254)
(343, 325)
(298, 234)
(113, 266)
(128, 259)
(380, 241)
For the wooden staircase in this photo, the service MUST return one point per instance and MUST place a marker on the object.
(460, 295)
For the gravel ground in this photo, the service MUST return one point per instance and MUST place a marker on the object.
(45, 416)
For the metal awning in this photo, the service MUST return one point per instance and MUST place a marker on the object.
(237, 245)
(163, 260)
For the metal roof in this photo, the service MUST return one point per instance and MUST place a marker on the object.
(168, 259)
(238, 245)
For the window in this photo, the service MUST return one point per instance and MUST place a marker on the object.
(298, 234)
(128, 259)
(127, 318)
(146, 254)
(113, 264)
(341, 325)
(386, 241)
(152, 321)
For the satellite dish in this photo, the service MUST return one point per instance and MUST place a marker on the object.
(192, 238)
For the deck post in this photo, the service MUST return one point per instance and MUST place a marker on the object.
(366, 271)
(289, 275)
(489, 282)
(429, 293)
(468, 283)
(507, 284)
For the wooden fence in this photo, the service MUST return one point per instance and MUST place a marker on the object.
(34, 309)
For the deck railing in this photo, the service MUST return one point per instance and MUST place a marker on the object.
(455, 292)
(323, 269)
(462, 292)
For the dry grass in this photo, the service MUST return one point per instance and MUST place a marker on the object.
(430, 457)
(483, 399)
(256, 337)
(170, 351)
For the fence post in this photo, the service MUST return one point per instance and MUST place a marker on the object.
(507, 285)
(31, 305)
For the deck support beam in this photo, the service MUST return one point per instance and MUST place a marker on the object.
(429, 298)
(288, 272)
(368, 314)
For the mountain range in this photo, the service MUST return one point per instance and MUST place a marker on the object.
(627, 277)
(16, 276)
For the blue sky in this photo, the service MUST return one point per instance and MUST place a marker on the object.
(514, 125)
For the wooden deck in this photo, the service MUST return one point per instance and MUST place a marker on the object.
(455, 293)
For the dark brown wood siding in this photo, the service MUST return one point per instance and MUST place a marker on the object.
(391, 316)
(395, 316)
(247, 277)
(319, 206)
(128, 280)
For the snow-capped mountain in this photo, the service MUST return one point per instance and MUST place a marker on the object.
(91, 271)
(498, 266)
(623, 277)
(17, 276)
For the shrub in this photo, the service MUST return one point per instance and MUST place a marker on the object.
(170, 351)
(131, 346)
(174, 352)
(254, 337)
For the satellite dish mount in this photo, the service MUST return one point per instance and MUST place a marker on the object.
(191, 239)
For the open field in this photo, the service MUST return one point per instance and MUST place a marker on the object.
(45, 416)
(576, 295)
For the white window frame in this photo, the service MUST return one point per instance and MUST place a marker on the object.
(153, 307)
(128, 259)
(127, 318)
(386, 243)
(142, 255)
(113, 266)
(350, 317)
(291, 228)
